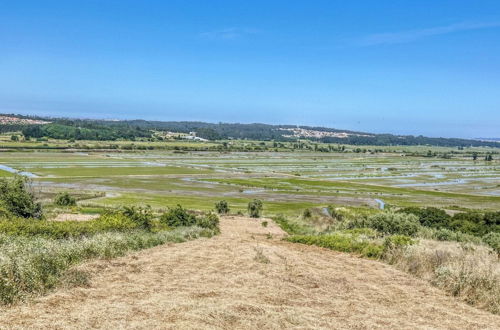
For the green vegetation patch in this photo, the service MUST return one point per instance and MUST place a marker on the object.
(118, 171)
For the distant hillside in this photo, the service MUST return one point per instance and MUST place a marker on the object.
(91, 129)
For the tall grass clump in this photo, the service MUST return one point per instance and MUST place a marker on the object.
(33, 265)
(468, 271)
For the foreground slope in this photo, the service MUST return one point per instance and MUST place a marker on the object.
(245, 278)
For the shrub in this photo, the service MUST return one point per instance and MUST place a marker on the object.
(397, 241)
(334, 213)
(493, 240)
(307, 213)
(255, 208)
(18, 199)
(177, 217)
(222, 207)
(393, 223)
(210, 221)
(429, 216)
(64, 199)
(444, 234)
(141, 216)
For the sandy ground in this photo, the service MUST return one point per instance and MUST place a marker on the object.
(246, 279)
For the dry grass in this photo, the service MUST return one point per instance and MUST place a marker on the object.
(75, 217)
(217, 284)
(470, 272)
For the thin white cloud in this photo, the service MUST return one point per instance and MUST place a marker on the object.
(228, 33)
(412, 35)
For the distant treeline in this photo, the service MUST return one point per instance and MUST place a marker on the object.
(86, 129)
(408, 140)
(10, 128)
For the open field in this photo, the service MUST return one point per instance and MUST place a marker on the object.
(245, 278)
(286, 181)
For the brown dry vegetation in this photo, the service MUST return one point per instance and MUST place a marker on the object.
(74, 217)
(246, 278)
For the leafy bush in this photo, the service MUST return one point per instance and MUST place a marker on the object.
(307, 213)
(177, 217)
(493, 240)
(141, 216)
(210, 221)
(476, 223)
(444, 234)
(397, 241)
(429, 216)
(18, 199)
(392, 223)
(222, 207)
(64, 199)
(255, 208)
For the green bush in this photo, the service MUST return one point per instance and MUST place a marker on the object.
(255, 208)
(493, 240)
(141, 216)
(64, 199)
(18, 199)
(222, 207)
(210, 221)
(429, 216)
(177, 217)
(392, 223)
(444, 234)
(307, 213)
(397, 242)
(476, 223)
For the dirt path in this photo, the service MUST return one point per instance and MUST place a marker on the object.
(245, 279)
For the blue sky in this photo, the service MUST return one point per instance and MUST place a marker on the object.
(406, 67)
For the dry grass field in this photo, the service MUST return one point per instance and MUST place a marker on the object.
(245, 278)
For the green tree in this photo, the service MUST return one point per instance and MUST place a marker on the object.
(255, 208)
(178, 216)
(222, 207)
(17, 198)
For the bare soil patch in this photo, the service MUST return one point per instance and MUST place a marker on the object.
(246, 278)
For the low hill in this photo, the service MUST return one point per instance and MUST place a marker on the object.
(92, 129)
(246, 278)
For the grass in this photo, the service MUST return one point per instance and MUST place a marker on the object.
(5, 174)
(344, 242)
(202, 203)
(117, 171)
(66, 229)
(33, 265)
(467, 269)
